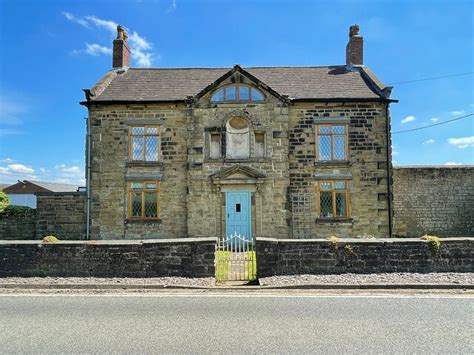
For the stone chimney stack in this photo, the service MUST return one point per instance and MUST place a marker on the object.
(121, 51)
(355, 47)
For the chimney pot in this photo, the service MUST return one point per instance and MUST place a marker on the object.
(121, 50)
(355, 47)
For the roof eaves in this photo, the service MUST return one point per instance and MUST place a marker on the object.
(344, 99)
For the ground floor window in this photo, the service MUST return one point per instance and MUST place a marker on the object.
(143, 200)
(333, 199)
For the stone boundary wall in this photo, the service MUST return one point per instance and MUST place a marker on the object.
(21, 227)
(187, 257)
(319, 256)
(437, 200)
(61, 214)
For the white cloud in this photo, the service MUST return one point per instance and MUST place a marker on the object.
(20, 168)
(75, 19)
(408, 119)
(458, 113)
(429, 141)
(434, 119)
(43, 170)
(140, 47)
(110, 26)
(8, 161)
(463, 142)
(96, 49)
(71, 170)
(452, 163)
(16, 168)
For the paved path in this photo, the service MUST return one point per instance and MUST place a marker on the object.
(235, 323)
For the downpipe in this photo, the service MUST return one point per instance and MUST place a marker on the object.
(88, 176)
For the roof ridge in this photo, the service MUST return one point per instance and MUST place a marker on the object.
(243, 67)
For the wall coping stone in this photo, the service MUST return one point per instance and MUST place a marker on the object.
(357, 240)
(111, 242)
(51, 193)
(463, 166)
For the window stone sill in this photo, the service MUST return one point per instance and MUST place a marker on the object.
(333, 163)
(331, 221)
(143, 221)
(144, 163)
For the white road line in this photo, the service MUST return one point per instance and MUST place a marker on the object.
(224, 295)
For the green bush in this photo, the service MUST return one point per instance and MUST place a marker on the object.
(4, 201)
(434, 244)
(50, 239)
(333, 243)
(19, 211)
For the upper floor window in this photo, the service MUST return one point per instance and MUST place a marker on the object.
(331, 141)
(144, 143)
(238, 92)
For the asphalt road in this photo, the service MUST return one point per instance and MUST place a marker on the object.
(220, 323)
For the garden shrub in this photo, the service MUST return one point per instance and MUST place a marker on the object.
(434, 243)
(4, 201)
(16, 211)
(50, 239)
(333, 242)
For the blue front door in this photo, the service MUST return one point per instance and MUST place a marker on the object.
(238, 214)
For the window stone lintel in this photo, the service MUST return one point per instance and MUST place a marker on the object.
(143, 121)
(333, 176)
(143, 177)
(335, 120)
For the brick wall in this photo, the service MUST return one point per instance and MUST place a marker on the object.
(18, 226)
(291, 257)
(178, 257)
(434, 200)
(61, 214)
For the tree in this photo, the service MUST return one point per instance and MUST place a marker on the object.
(4, 201)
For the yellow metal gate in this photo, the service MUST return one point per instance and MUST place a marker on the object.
(235, 259)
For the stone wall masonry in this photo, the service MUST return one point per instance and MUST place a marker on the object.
(110, 165)
(20, 227)
(366, 165)
(319, 256)
(152, 258)
(437, 200)
(61, 214)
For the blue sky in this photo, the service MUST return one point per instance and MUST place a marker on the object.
(51, 50)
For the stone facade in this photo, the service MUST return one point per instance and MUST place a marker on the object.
(178, 257)
(110, 167)
(61, 214)
(293, 257)
(192, 203)
(437, 200)
(365, 171)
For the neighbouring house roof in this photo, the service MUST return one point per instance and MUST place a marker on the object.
(31, 187)
(323, 83)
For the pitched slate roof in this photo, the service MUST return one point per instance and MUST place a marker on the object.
(30, 187)
(298, 83)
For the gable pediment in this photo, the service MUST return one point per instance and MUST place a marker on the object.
(237, 173)
(239, 75)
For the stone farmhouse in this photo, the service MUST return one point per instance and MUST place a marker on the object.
(282, 152)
